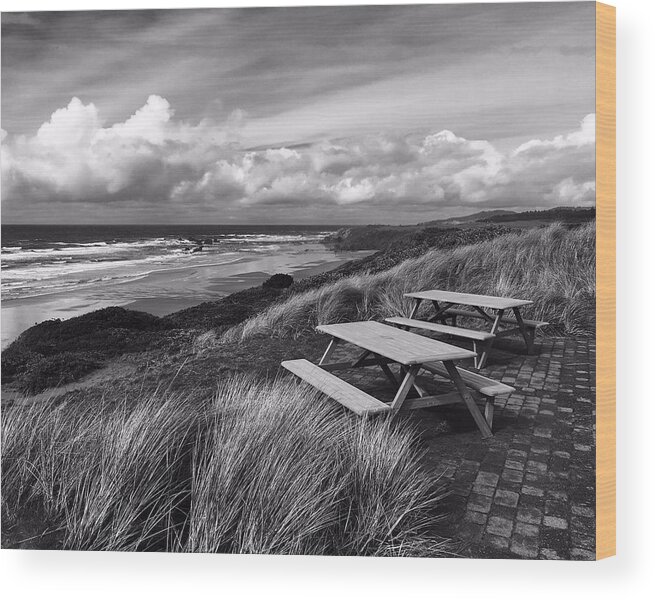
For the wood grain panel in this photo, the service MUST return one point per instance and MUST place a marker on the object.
(401, 346)
(351, 397)
(606, 280)
(494, 302)
(472, 334)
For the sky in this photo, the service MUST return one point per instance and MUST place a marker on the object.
(385, 114)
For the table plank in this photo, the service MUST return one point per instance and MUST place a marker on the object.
(494, 302)
(401, 346)
(351, 397)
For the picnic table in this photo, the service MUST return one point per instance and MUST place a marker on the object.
(490, 309)
(382, 345)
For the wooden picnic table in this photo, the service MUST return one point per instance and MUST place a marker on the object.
(382, 344)
(491, 309)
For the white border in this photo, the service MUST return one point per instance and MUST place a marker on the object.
(25, 574)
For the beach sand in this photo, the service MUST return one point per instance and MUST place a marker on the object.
(168, 290)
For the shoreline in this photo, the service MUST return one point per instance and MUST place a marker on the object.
(170, 290)
(224, 286)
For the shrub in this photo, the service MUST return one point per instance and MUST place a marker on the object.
(205, 341)
(226, 312)
(108, 331)
(15, 362)
(79, 345)
(43, 372)
(279, 281)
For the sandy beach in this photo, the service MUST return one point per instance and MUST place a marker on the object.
(171, 289)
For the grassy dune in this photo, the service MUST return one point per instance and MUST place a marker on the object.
(259, 468)
(553, 266)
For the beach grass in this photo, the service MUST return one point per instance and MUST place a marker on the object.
(259, 467)
(553, 266)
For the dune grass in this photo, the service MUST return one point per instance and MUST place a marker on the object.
(553, 266)
(261, 467)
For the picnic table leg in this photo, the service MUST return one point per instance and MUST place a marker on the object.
(417, 303)
(484, 314)
(482, 360)
(421, 391)
(332, 346)
(404, 388)
(440, 311)
(360, 359)
(527, 335)
(386, 370)
(489, 412)
(480, 421)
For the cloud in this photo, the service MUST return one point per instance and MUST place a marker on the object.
(581, 137)
(164, 165)
(305, 74)
(72, 157)
(568, 191)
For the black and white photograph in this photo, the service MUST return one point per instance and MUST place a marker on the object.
(300, 280)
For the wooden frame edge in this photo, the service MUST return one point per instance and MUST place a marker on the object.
(606, 280)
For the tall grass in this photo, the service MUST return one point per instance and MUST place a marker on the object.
(553, 266)
(259, 468)
(110, 476)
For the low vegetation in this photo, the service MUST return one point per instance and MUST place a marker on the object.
(57, 352)
(43, 372)
(403, 244)
(225, 312)
(278, 281)
(394, 239)
(259, 468)
(553, 266)
(567, 215)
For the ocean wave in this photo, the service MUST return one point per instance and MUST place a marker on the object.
(272, 238)
(30, 271)
(15, 290)
(85, 245)
(46, 278)
(85, 251)
(105, 251)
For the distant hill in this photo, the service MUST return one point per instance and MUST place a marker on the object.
(561, 214)
(529, 218)
(429, 234)
(478, 216)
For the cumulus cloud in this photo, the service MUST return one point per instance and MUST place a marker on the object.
(156, 160)
(73, 157)
(584, 136)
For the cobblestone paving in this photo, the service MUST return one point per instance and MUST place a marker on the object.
(528, 492)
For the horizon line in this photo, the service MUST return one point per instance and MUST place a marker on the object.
(311, 224)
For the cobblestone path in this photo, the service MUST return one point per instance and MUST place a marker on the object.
(528, 492)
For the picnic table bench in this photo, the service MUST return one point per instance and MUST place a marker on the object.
(382, 345)
(491, 309)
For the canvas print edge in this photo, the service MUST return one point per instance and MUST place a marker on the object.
(606, 280)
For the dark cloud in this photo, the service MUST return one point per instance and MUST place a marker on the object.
(272, 61)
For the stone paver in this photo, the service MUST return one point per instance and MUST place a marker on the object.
(528, 492)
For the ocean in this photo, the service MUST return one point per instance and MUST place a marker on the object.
(60, 271)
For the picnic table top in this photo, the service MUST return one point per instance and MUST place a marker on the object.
(393, 343)
(494, 302)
